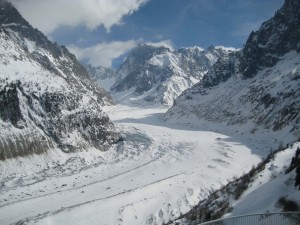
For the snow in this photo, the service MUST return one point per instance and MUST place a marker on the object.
(171, 73)
(30, 45)
(228, 103)
(162, 168)
(158, 172)
(162, 92)
(197, 48)
(269, 185)
(230, 49)
(18, 66)
(107, 83)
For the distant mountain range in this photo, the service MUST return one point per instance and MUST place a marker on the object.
(47, 99)
(157, 74)
(257, 87)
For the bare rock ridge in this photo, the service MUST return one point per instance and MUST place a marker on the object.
(257, 87)
(46, 96)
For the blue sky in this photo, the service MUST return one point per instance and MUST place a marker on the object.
(104, 36)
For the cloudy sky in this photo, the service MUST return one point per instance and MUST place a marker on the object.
(101, 32)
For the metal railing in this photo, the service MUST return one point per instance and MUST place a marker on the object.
(284, 218)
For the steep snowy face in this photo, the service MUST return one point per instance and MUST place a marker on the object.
(142, 69)
(46, 97)
(105, 77)
(159, 75)
(276, 37)
(99, 73)
(270, 96)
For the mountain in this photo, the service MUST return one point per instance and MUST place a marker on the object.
(257, 88)
(105, 77)
(47, 99)
(274, 39)
(159, 75)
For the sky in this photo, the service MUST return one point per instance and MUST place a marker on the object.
(102, 32)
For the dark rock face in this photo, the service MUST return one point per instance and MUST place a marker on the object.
(221, 71)
(277, 36)
(9, 105)
(47, 99)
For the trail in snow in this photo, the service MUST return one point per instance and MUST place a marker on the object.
(158, 172)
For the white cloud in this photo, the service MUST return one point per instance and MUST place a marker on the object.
(227, 48)
(48, 15)
(164, 43)
(104, 53)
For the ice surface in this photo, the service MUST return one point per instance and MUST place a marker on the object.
(159, 171)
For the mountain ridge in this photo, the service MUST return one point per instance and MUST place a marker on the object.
(47, 99)
(158, 74)
(266, 101)
(276, 37)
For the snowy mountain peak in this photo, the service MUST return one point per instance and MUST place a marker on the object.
(139, 56)
(197, 48)
(276, 37)
(159, 75)
(194, 49)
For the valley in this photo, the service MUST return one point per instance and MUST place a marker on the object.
(169, 133)
(159, 171)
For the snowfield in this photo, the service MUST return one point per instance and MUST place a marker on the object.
(159, 171)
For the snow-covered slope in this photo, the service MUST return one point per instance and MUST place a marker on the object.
(245, 90)
(105, 77)
(46, 97)
(267, 188)
(159, 75)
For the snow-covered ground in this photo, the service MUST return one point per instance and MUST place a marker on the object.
(159, 171)
(272, 183)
